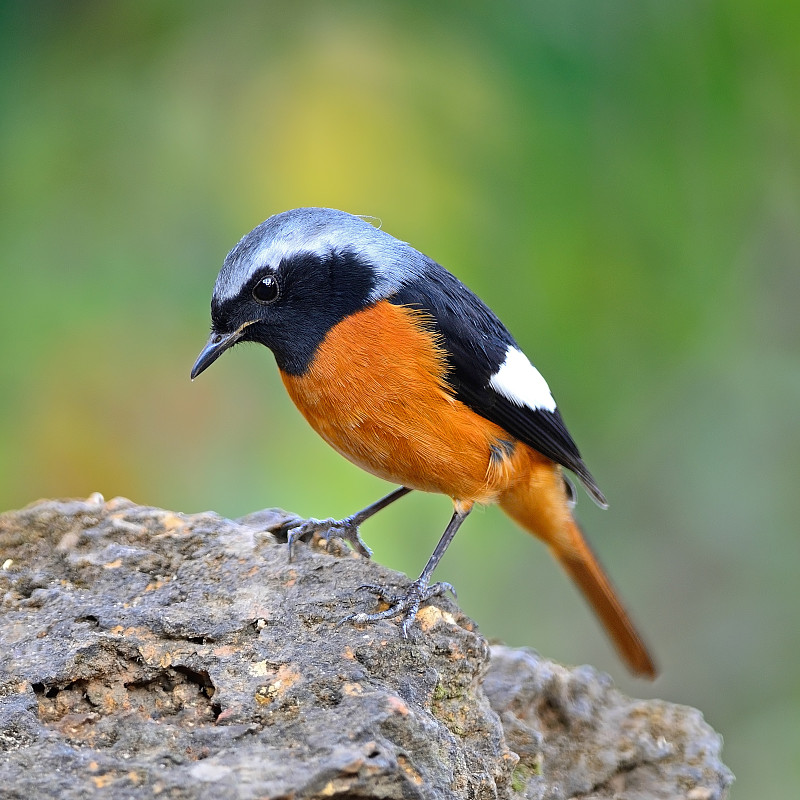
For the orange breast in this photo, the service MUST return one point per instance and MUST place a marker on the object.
(376, 393)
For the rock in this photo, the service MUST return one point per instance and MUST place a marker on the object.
(577, 736)
(156, 654)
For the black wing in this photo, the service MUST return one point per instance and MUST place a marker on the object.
(477, 343)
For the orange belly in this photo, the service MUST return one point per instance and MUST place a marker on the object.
(376, 393)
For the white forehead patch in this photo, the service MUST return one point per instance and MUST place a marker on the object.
(521, 383)
(320, 232)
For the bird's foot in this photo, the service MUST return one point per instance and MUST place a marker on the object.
(327, 529)
(406, 604)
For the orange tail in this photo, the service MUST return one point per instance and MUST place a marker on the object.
(583, 567)
(553, 523)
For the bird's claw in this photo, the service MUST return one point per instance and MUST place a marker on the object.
(406, 604)
(380, 591)
(328, 529)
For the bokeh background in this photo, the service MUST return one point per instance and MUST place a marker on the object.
(619, 181)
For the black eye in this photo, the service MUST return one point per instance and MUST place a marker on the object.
(266, 290)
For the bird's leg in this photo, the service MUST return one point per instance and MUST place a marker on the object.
(419, 591)
(346, 529)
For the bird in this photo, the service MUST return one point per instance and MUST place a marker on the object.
(408, 374)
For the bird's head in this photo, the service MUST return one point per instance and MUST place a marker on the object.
(291, 279)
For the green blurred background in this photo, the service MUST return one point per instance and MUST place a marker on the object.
(619, 181)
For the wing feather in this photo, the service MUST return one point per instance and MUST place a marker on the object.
(477, 344)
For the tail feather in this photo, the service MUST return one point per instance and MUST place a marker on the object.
(583, 567)
(542, 509)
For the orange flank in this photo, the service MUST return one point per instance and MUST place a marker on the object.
(376, 392)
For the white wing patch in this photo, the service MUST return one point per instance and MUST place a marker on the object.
(521, 383)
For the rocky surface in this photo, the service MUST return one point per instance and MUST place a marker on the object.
(153, 654)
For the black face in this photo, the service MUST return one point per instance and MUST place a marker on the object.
(290, 309)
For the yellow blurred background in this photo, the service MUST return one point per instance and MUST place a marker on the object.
(619, 181)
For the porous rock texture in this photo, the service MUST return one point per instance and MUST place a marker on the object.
(148, 653)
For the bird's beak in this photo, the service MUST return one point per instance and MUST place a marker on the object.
(216, 345)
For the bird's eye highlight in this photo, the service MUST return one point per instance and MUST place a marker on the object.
(266, 290)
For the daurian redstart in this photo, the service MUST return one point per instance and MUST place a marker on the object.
(409, 375)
